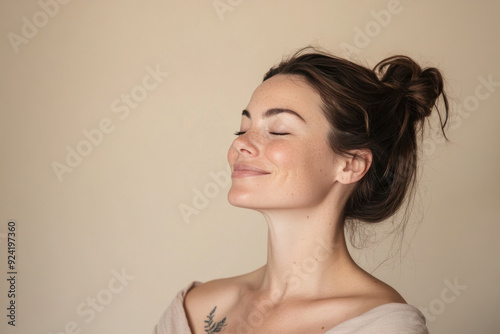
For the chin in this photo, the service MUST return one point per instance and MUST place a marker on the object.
(256, 201)
(247, 200)
(238, 199)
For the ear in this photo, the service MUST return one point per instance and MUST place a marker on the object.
(355, 166)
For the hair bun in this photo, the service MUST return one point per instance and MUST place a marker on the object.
(418, 89)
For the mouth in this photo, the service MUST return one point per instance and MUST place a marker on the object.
(241, 170)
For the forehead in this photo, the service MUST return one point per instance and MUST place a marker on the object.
(286, 91)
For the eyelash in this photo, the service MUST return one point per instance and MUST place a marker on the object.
(239, 133)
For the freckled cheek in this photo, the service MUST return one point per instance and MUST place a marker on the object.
(295, 164)
(282, 155)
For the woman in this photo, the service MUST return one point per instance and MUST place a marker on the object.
(323, 142)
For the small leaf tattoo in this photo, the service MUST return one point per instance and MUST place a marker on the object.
(214, 327)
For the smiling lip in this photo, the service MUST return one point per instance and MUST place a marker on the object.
(241, 170)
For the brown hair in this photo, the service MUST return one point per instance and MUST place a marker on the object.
(381, 109)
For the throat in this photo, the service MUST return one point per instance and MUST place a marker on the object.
(306, 254)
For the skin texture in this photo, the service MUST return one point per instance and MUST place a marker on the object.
(283, 167)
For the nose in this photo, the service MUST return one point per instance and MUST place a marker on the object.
(245, 144)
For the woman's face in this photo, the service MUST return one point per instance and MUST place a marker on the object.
(281, 157)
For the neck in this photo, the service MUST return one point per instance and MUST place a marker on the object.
(307, 252)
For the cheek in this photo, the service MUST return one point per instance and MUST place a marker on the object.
(296, 153)
(283, 154)
(297, 162)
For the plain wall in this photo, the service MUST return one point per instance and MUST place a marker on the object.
(117, 209)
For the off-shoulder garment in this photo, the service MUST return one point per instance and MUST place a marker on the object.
(392, 318)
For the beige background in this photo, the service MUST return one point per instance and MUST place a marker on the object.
(120, 208)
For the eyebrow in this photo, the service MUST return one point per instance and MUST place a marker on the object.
(274, 111)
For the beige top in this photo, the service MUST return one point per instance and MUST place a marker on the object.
(389, 318)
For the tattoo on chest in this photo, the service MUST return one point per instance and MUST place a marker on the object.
(212, 326)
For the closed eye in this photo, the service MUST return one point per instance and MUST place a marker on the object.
(239, 133)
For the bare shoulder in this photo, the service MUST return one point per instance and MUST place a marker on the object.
(356, 296)
(377, 291)
(386, 293)
(220, 294)
(216, 291)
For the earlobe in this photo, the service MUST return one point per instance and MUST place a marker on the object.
(355, 166)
